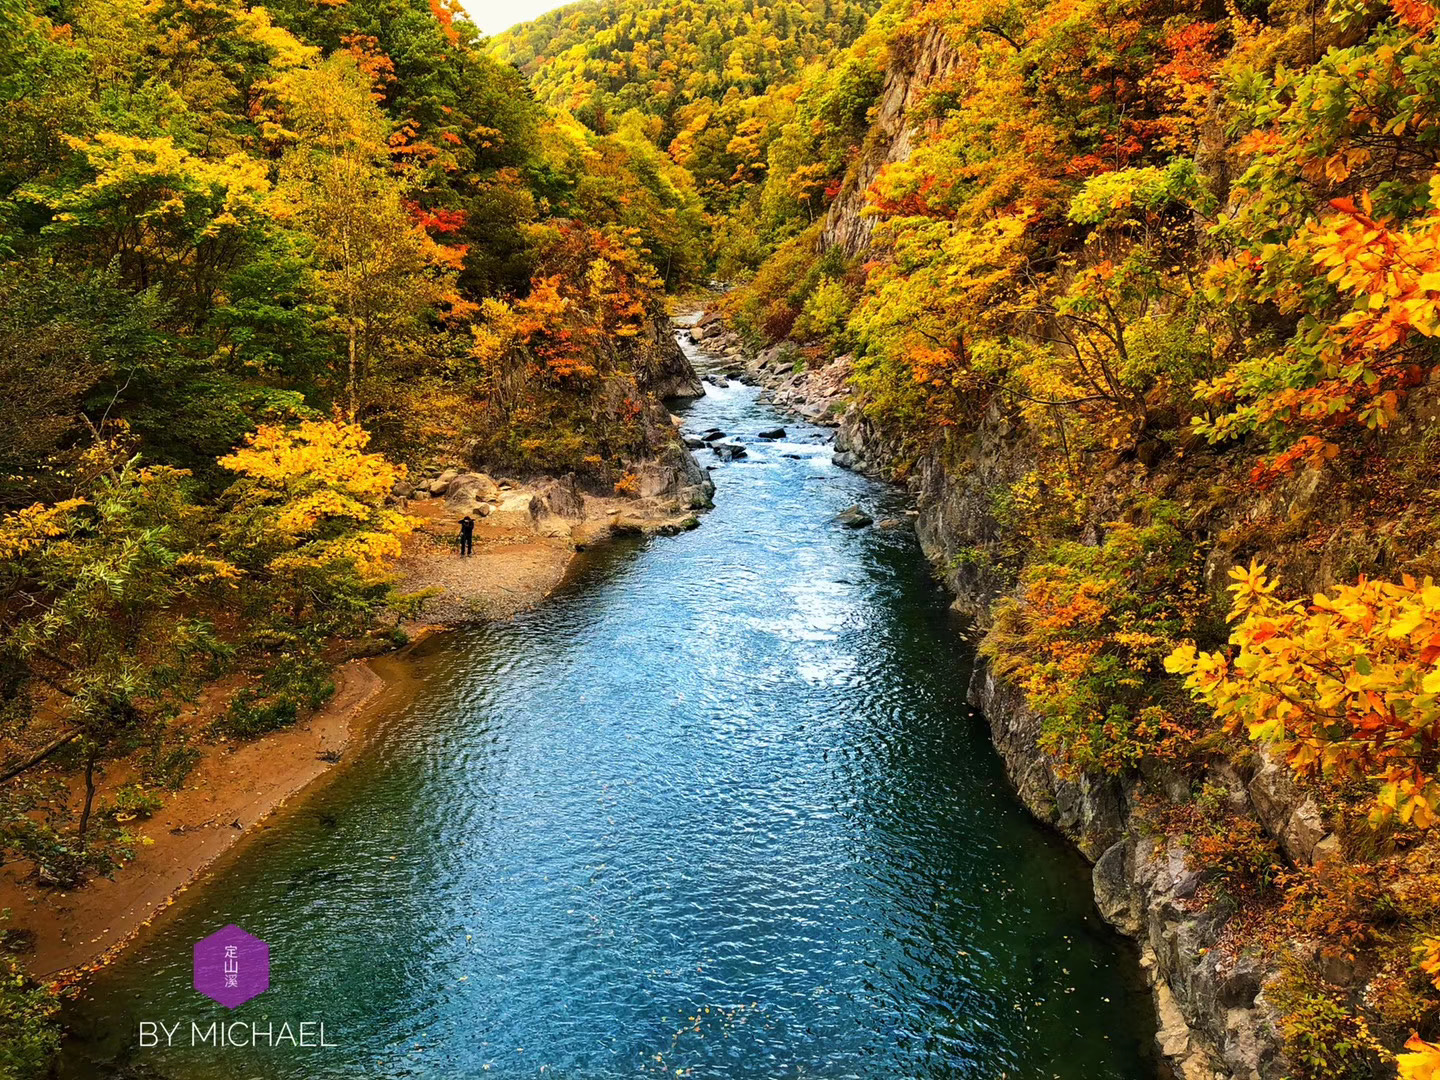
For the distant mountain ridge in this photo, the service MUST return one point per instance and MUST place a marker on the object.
(600, 59)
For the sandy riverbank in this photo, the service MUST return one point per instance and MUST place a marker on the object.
(518, 562)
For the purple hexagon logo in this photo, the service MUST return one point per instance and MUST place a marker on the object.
(231, 966)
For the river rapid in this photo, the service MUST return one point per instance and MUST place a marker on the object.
(717, 810)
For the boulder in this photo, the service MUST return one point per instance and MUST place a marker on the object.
(716, 380)
(694, 442)
(1111, 877)
(773, 433)
(712, 435)
(474, 484)
(844, 459)
(562, 498)
(438, 485)
(518, 510)
(471, 493)
(675, 528)
(728, 451)
(852, 517)
(675, 475)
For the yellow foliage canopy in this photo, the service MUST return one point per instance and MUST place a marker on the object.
(317, 497)
(1347, 684)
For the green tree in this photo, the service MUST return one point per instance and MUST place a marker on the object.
(96, 592)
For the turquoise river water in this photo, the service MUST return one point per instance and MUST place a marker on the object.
(717, 810)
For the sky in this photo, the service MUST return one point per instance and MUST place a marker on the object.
(495, 16)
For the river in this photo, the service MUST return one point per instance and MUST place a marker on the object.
(717, 810)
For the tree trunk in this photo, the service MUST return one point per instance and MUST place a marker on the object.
(37, 757)
(352, 371)
(89, 795)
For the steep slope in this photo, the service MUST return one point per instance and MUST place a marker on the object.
(1136, 301)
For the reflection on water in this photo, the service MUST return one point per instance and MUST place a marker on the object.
(718, 810)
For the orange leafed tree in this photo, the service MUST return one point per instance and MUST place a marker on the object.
(1347, 685)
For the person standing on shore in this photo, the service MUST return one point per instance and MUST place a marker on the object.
(467, 536)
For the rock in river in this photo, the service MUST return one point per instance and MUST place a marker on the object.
(728, 451)
(852, 517)
(773, 433)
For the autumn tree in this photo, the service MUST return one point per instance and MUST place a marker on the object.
(1346, 685)
(382, 272)
(560, 371)
(165, 218)
(307, 519)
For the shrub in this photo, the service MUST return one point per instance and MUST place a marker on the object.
(1324, 1038)
(292, 685)
(29, 1035)
(1085, 639)
(130, 802)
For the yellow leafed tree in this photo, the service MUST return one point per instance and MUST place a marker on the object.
(310, 499)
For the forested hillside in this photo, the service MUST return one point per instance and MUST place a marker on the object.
(674, 62)
(254, 263)
(1141, 299)
(712, 84)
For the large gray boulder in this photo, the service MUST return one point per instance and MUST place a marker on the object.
(563, 498)
(471, 493)
(675, 475)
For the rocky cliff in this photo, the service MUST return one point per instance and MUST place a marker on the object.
(672, 376)
(1219, 995)
(914, 66)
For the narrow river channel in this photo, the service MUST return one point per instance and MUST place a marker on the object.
(718, 810)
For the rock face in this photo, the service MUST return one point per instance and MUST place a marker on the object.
(563, 498)
(673, 376)
(675, 474)
(1214, 1019)
(914, 66)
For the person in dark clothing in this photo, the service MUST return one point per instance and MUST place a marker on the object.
(467, 535)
